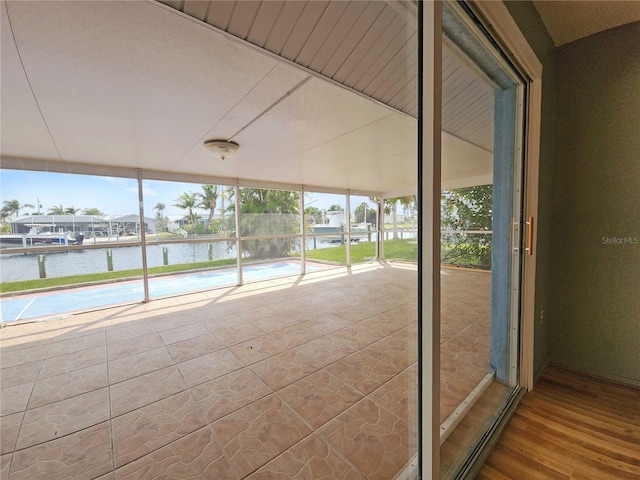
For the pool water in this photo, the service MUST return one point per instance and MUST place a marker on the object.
(30, 306)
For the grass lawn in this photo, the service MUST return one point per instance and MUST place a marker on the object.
(406, 250)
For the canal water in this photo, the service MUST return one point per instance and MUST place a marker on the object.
(78, 262)
(17, 267)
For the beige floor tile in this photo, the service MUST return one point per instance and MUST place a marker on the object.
(84, 321)
(230, 335)
(14, 399)
(124, 316)
(259, 432)
(60, 387)
(301, 315)
(376, 441)
(9, 428)
(139, 364)
(77, 344)
(209, 310)
(275, 323)
(19, 374)
(207, 367)
(400, 395)
(25, 340)
(196, 456)
(194, 347)
(263, 311)
(5, 465)
(30, 328)
(257, 349)
(333, 307)
(183, 332)
(298, 334)
(179, 318)
(70, 333)
(109, 476)
(356, 314)
(83, 455)
(362, 371)
(325, 350)
(283, 369)
(357, 336)
(13, 357)
(328, 323)
(226, 394)
(73, 361)
(290, 306)
(319, 397)
(58, 419)
(464, 362)
(134, 345)
(312, 458)
(145, 389)
(394, 351)
(217, 322)
(148, 428)
(385, 324)
(371, 305)
(126, 332)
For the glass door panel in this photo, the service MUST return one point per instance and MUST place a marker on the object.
(480, 235)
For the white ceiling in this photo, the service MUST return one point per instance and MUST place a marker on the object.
(139, 84)
(569, 20)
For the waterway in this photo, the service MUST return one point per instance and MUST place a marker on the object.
(78, 262)
(17, 267)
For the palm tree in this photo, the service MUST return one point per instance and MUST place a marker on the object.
(92, 211)
(13, 206)
(226, 194)
(56, 210)
(265, 212)
(208, 200)
(71, 210)
(159, 208)
(188, 201)
(391, 207)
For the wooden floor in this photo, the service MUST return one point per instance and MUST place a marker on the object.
(570, 426)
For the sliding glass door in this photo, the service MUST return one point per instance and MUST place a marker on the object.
(481, 235)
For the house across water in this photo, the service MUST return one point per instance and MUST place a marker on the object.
(90, 225)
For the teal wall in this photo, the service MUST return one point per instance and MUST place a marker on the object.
(529, 22)
(594, 282)
(589, 189)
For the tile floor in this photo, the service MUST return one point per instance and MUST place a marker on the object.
(290, 378)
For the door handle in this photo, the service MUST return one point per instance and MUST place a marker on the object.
(529, 248)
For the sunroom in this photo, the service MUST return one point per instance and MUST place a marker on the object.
(294, 320)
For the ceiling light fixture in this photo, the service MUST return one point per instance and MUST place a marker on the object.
(221, 148)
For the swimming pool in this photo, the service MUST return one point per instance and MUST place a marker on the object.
(36, 305)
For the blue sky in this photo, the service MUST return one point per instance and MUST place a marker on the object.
(113, 196)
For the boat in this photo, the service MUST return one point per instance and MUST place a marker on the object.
(38, 235)
(335, 231)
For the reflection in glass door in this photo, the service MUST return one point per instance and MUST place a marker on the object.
(480, 237)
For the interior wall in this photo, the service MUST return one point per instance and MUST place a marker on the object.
(531, 26)
(594, 275)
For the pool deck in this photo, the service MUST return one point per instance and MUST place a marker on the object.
(318, 371)
(74, 299)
